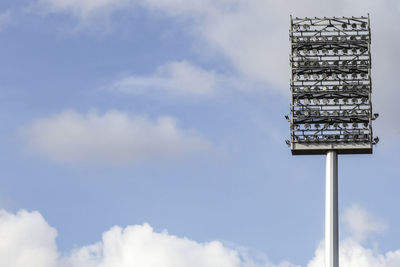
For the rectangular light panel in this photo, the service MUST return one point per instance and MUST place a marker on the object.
(330, 85)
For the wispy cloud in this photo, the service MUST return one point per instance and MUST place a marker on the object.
(253, 36)
(82, 9)
(174, 78)
(361, 223)
(112, 137)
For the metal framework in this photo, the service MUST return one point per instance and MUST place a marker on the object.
(331, 86)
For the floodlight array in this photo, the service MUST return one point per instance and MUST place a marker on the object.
(331, 84)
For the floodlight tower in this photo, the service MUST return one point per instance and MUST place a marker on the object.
(331, 111)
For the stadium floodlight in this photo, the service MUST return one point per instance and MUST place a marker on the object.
(331, 110)
(331, 73)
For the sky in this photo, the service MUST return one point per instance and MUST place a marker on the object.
(150, 133)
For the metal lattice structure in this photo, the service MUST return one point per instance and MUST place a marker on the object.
(331, 86)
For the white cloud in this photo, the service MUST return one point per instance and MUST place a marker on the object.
(140, 246)
(174, 77)
(114, 137)
(253, 36)
(360, 223)
(352, 254)
(28, 240)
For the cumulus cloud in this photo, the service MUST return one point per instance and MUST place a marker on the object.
(28, 240)
(175, 77)
(360, 225)
(353, 254)
(140, 246)
(112, 137)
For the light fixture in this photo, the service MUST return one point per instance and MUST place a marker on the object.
(331, 85)
(376, 140)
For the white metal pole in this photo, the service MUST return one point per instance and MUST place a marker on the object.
(331, 211)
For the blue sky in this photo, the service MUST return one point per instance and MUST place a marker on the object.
(165, 118)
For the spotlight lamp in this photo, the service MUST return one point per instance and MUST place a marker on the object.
(376, 140)
(287, 142)
(331, 86)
